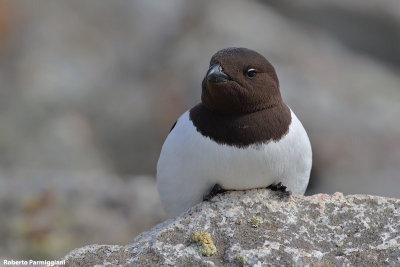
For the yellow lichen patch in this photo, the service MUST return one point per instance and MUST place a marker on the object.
(203, 239)
(340, 244)
(242, 259)
(255, 221)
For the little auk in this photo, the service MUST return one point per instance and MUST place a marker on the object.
(241, 136)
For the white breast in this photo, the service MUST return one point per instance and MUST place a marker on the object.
(191, 164)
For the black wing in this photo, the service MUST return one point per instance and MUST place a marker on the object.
(173, 126)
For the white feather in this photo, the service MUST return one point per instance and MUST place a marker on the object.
(191, 164)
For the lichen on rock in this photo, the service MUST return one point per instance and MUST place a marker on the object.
(241, 259)
(205, 243)
(255, 221)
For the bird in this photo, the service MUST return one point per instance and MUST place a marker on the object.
(240, 136)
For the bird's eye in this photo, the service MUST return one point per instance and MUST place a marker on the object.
(251, 73)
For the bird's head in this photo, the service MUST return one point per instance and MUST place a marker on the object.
(239, 81)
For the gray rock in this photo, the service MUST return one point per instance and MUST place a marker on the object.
(318, 230)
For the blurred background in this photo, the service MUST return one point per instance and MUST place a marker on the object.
(89, 91)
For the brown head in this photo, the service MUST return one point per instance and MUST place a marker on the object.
(240, 81)
(241, 102)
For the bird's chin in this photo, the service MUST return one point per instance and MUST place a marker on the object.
(223, 97)
(228, 87)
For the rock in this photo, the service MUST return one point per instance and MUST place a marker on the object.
(323, 230)
(97, 254)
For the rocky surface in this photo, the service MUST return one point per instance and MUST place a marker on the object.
(318, 230)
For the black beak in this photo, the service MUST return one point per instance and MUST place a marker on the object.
(215, 74)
